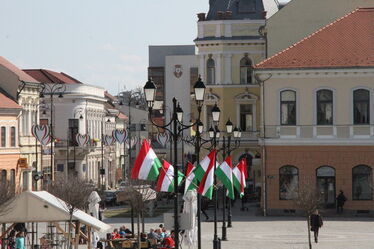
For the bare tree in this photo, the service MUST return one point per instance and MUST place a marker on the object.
(134, 97)
(7, 193)
(308, 199)
(141, 197)
(74, 191)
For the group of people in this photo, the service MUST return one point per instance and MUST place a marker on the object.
(159, 236)
(16, 240)
(122, 232)
(162, 236)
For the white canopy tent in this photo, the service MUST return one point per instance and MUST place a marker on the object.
(41, 206)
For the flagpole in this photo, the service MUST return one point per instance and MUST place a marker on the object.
(197, 152)
(215, 238)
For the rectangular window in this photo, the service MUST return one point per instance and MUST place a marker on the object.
(288, 107)
(3, 136)
(13, 136)
(60, 167)
(246, 118)
(73, 131)
(324, 107)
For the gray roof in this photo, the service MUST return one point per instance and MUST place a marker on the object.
(241, 9)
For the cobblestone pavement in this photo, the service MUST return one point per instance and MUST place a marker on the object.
(257, 232)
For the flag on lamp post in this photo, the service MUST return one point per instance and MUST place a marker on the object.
(224, 174)
(147, 164)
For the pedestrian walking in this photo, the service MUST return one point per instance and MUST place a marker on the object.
(340, 201)
(315, 224)
(12, 240)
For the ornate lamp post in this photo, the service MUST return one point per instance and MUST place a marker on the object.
(226, 152)
(175, 127)
(52, 89)
(215, 133)
(102, 170)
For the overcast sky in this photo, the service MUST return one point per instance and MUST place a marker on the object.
(99, 42)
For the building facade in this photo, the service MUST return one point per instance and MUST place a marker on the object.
(11, 167)
(318, 116)
(25, 91)
(228, 45)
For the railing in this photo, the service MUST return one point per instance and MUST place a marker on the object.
(320, 131)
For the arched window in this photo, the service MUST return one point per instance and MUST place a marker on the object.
(211, 71)
(288, 182)
(3, 176)
(362, 183)
(13, 136)
(288, 107)
(245, 71)
(324, 107)
(13, 178)
(3, 136)
(361, 106)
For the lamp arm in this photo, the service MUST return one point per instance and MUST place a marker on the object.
(165, 127)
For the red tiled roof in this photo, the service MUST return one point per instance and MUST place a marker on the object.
(20, 74)
(346, 42)
(7, 103)
(49, 76)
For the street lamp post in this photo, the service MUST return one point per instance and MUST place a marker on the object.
(52, 89)
(172, 128)
(226, 152)
(102, 170)
(215, 133)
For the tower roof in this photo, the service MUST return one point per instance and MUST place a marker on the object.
(240, 9)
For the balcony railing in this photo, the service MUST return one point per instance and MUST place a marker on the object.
(320, 131)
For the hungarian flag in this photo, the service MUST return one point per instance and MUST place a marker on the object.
(224, 174)
(238, 175)
(202, 168)
(207, 183)
(147, 164)
(245, 168)
(165, 181)
(191, 180)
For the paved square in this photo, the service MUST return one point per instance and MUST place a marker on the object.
(256, 232)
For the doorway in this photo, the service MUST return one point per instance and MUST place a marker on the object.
(326, 185)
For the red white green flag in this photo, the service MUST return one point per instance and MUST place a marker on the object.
(238, 175)
(147, 164)
(207, 183)
(191, 180)
(165, 182)
(224, 174)
(202, 168)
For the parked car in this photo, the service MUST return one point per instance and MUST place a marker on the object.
(110, 197)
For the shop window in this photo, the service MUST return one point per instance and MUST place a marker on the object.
(288, 182)
(362, 183)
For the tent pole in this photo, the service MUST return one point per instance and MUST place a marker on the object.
(89, 235)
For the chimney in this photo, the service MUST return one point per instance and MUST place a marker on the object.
(220, 15)
(201, 16)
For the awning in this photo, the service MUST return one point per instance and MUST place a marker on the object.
(41, 206)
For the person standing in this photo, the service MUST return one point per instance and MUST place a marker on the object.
(20, 241)
(315, 224)
(340, 201)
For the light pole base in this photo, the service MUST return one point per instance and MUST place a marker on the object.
(224, 233)
(216, 243)
(229, 223)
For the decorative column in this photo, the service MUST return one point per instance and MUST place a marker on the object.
(218, 59)
(202, 63)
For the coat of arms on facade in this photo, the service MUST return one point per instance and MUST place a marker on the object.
(178, 71)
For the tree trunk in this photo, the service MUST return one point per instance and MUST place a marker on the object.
(308, 224)
(139, 247)
(143, 222)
